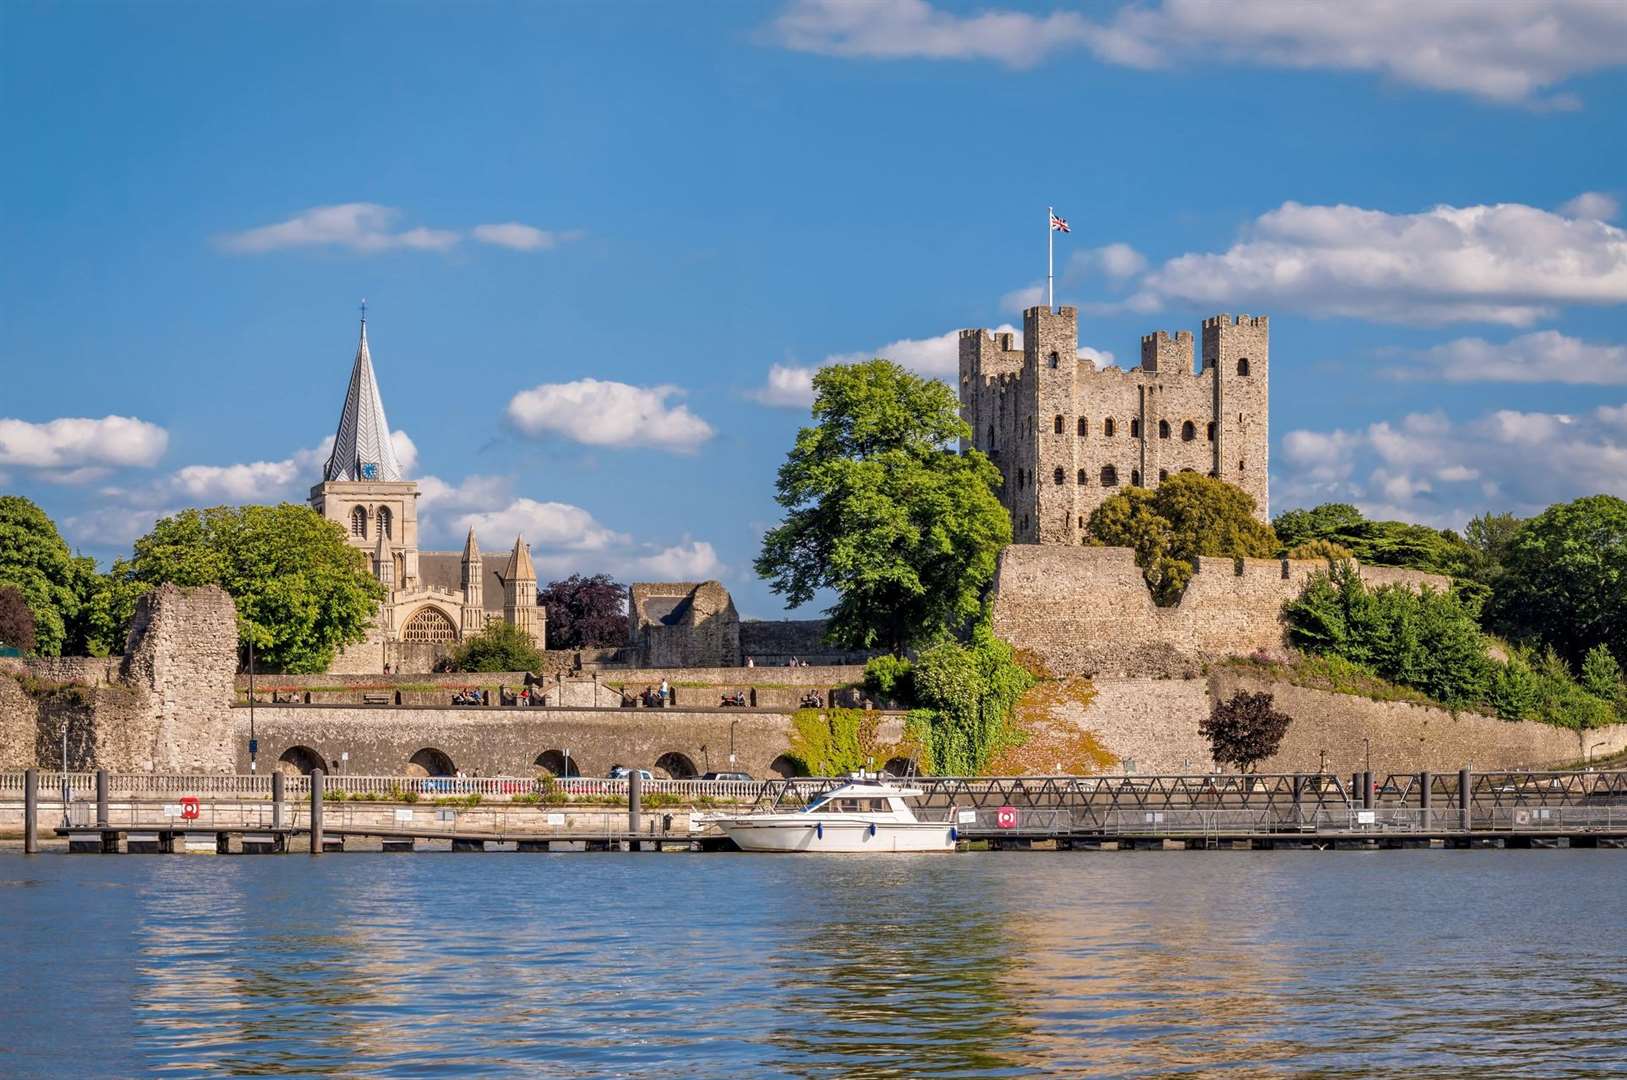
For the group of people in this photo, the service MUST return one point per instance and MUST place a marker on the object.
(734, 699)
(472, 697)
(751, 661)
(654, 697)
(812, 700)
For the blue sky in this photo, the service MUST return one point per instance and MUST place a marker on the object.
(603, 245)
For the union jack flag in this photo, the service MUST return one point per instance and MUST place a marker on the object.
(1058, 224)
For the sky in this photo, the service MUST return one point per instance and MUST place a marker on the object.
(604, 246)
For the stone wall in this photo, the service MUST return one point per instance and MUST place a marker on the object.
(684, 624)
(1087, 610)
(1153, 724)
(771, 642)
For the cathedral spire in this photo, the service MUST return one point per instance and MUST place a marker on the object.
(361, 448)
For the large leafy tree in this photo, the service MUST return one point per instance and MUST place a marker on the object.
(1388, 543)
(1187, 516)
(302, 591)
(882, 510)
(585, 612)
(1564, 579)
(55, 584)
(500, 646)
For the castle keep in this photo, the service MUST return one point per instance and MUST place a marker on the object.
(1066, 436)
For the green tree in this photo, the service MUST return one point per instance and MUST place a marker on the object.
(1188, 516)
(499, 647)
(967, 694)
(1380, 543)
(1318, 523)
(302, 591)
(880, 509)
(16, 620)
(1601, 674)
(1564, 579)
(37, 563)
(1319, 549)
(1245, 730)
(837, 742)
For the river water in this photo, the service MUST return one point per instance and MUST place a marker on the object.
(1416, 963)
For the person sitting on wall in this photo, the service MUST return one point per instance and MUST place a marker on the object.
(750, 662)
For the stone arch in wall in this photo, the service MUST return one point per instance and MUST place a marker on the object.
(430, 762)
(1107, 427)
(1163, 429)
(900, 766)
(1110, 476)
(429, 623)
(555, 763)
(1082, 477)
(786, 767)
(676, 766)
(1189, 431)
(1056, 425)
(300, 761)
(358, 523)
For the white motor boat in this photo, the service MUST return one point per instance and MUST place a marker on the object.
(864, 815)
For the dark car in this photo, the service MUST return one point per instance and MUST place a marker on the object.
(726, 776)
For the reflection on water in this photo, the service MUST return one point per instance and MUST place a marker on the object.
(1155, 964)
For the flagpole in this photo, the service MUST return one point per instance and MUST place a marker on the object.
(1050, 259)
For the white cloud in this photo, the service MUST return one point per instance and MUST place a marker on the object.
(359, 226)
(788, 385)
(519, 237)
(1429, 468)
(1504, 263)
(435, 494)
(1024, 298)
(113, 526)
(268, 481)
(1543, 356)
(1592, 205)
(406, 451)
(1509, 53)
(72, 444)
(544, 525)
(1115, 260)
(601, 413)
(693, 561)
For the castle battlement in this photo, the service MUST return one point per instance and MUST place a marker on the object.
(1067, 436)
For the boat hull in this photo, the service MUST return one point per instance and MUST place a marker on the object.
(847, 837)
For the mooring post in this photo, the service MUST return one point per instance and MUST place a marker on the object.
(1424, 782)
(31, 811)
(277, 791)
(1299, 798)
(316, 811)
(101, 798)
(635, 792)
(1465, 780)
(1366, 790)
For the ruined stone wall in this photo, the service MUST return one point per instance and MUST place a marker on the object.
(1087, 610)
(1153, 725)
(684, 624)
(1065, 436)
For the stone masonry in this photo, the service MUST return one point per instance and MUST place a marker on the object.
(1066, 436)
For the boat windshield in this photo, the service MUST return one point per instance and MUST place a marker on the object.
(837, 803)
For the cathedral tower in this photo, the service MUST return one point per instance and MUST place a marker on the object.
(520, 592)
(474, 606)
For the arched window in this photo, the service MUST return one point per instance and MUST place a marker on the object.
(1135, 477)
(1135, 429)
(1084, 426)
(1242, 365)
(1056, 425)
(1189, 431)
(1059, 477)
(1056, 361)
(1110, 476)
(384, 522)
(1163, 474)
(429, 625)
(1107, 427)
(1239, 464)
(1211, 431)
(1082, 479)
(358, 523)
(1163, 429)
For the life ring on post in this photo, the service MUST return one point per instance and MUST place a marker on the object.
(189, 807)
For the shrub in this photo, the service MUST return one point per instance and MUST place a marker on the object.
(500, 647)
(889, 676)
(968, 693)
(1245, 730)
(1601, 674)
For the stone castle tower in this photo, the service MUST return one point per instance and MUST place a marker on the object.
(1066, 436)
(435, 598)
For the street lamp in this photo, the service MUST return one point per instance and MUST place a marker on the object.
(254, 744)
(1322, 766)
(732, 724)
(567, 770)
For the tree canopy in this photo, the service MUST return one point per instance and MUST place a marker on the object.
(302, 592)
(499, 647)
(585, 612)
(16, 620)
(1187, 516)
(1564, 579)
(1380, 543)
(880, 509)
(1245, 730)
(55, 584)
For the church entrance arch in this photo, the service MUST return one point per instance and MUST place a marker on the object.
(430, 762)
(429, 624)
(677, 766)
(300, 761)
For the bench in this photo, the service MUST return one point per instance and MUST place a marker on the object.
(378, 699)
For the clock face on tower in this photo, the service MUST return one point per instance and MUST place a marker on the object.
(370, 470)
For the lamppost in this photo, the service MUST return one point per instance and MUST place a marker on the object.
(1322, 766)
(706, 755)
(566, 772)
(732, 724)
(254, 744)
(67, 788)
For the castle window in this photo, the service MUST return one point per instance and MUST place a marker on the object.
(1163, 474)
(358, 523)
(1135, 477)
(429, 625)
(1107, 427)
(1239, 464)
(1211, 431)
(384, 522)
(1135, 429)
(1242, 365)
(1082, 476)
(1059, 477)
(1084, 426)
(991, 436)
(1163, 429)
(1056, 425)
(1189, 431)
(1110, 476)
(1056, 361)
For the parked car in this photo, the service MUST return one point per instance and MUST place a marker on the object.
(726, 776)
(622, 772)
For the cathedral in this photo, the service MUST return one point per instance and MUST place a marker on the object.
(435, 598)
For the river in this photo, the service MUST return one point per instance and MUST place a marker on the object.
(1350, 964)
